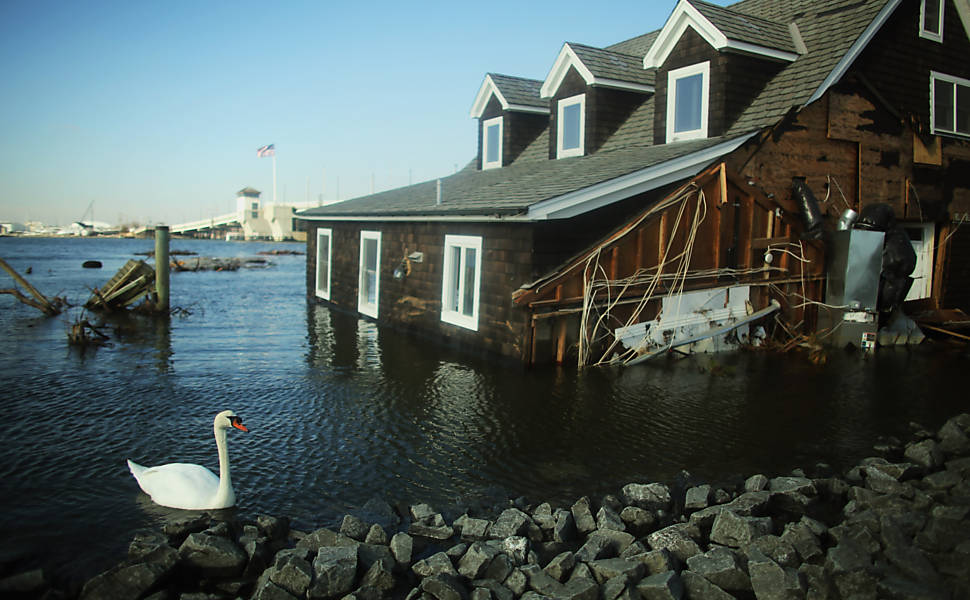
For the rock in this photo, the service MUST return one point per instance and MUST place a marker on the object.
(662, 586)
(334, 571)
(132, 580)
(677, 540)
(858, 585)
(792, 485)
(324, 537)
(615, 588)
(953, 438)
(476, 560)
(543, 517)
(560, 566)
(736, 531)
(638, 521)
(658, 561)
(267, 590)
(801, 538)
(402, 548)
(354, 528)
(434, 532)
(274, 528)
(609, 568)
(777, 549)
(697, 497)
(498, 590)
(422, 512)
(541, 582)
(376, 535)
(582, 516)
(604, 543)
(480, 593)
(517, 582)
(516, 548)
(817, 584)
(436, 564)
(444, 587)
(214, 556)
(511, 522)
(898, 471)
(579, 589)
(926, 454)
(379, 577)
(880, 482)
(721, 567)
(944, 529)
(368, 554)
(698, 588)
(565, 527)
(650, 496)
(30, 583)
(912, 563)
(177, 532)
(848, 556)
(473, 530)
(746, 505)
(607, 518)
(293, 575)
(379, 512)
(772, 582)
(756, 483)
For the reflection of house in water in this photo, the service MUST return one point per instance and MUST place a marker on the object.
(716, 153)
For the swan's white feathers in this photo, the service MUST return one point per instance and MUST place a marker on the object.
(178, 485)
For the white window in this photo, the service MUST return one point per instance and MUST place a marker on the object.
(492, 143)
(571, 126)
(461, 281)
(369, 281)
(949, 104)
(324, 247)
(931, 20)
(688, 90)
(921, 236)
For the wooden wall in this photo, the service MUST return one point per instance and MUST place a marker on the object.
(606, 110)
(414, 303)
(571, 85)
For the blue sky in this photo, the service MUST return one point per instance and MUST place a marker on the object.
(153, 111)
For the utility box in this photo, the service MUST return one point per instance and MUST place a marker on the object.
(852, 288)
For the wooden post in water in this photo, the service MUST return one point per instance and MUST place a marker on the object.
(161, 266)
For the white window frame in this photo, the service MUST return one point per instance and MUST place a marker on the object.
(324, 291)
(923, 271)
(561, 106)
(486, 124)
(957, 82)
(363, 305)
(449, 312)
(936, 36)
(703, 69)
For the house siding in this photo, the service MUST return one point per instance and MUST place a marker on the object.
(606, 110)
(521, 129)
(571, 85)
(492, 109)
(691, 49)
(414, 302)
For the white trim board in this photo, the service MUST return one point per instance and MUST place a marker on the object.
(568, 58)
(487, 89)
(684, 16)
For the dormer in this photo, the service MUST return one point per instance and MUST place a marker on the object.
(591, 92)
(710, 63)
(510, 116)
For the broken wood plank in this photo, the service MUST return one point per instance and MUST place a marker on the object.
(42, 303)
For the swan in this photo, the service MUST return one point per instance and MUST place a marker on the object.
(188, 486)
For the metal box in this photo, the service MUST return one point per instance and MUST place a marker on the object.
(852, 285)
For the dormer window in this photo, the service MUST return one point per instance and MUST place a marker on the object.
(492, 143)
(571, 126)
(931, 20)
(688, 90)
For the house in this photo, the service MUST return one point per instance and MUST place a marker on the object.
(702, 161)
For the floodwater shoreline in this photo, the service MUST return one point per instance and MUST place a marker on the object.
(894, 526)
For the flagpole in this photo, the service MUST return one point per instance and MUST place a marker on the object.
(274, 178)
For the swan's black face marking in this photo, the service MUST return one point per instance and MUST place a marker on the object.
(237, 423)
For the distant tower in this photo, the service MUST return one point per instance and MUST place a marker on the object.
(247, 204)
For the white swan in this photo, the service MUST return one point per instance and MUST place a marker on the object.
(188, 486)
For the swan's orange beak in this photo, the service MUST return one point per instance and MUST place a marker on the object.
(237, 423)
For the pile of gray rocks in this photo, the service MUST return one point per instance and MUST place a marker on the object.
(896, 526)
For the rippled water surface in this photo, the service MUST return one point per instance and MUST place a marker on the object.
(341, 410)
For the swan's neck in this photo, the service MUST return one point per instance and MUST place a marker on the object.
(225, 496)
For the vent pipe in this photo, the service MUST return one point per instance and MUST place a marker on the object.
(437, 200)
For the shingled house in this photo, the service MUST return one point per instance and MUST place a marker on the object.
(663, 165)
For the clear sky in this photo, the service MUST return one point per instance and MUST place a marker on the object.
(153, 111)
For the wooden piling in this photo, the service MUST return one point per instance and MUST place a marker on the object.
(41, 300)
(161, 266)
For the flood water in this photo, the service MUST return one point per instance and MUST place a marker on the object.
(340, 410)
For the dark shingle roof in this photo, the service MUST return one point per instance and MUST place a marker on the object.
(747, 28)
(828, 28)
(613, 65)
(519, 90)
(509, 190)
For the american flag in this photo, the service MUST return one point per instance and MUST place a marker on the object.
(266, 151)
